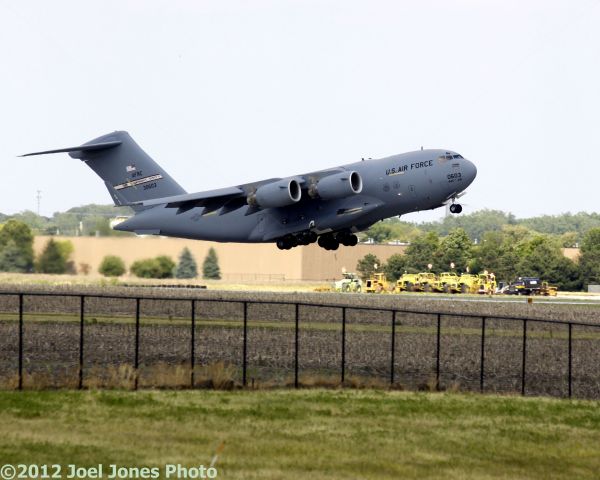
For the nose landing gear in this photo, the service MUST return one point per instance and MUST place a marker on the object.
(455, 208)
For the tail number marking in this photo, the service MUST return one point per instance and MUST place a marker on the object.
(139, 181)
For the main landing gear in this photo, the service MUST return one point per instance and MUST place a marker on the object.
(328, 241)
(455, 208)
(331, 241)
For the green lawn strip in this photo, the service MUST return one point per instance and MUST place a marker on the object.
(334, 434)
(309, 326)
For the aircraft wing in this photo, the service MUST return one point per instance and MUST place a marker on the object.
(230, 198)
(211, 199)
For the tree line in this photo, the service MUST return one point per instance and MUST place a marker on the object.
(567, 228)
(17, 255)
(509, 252)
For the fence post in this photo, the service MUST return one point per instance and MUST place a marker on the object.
(343, 344)
(245, 345)
(296, 338)
(193, 344)
(570, 359)
(482, 363)
(393, 352)
(20, 374)
(523, 362)
(437, 352)
(136, 359)
(81, 320)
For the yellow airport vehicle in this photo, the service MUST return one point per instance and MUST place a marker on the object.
(468, 283)
(425, 282)
(548, 290)
(349, 284)
(487, 283)
(448, 282)
(416, 282)
(406, 282)
(377, 284)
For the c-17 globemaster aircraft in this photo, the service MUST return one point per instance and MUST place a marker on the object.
(328, 206)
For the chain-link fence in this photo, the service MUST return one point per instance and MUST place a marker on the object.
(58, 340)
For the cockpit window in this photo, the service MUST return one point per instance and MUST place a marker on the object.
(443, 158)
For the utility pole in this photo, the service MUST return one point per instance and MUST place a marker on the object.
(39, 201)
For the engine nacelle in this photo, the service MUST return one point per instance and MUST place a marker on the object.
(277, 194)
(339, 185)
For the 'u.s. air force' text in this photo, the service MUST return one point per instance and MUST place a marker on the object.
(403, 168)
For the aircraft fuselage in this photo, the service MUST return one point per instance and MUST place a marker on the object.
(391, 186)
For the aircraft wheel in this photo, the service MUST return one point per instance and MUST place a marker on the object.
(353, 241)
(334, 245)
(455, 208)
(280, 244)
(322, 242)
(311, 237)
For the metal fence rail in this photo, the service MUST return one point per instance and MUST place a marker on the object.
(546, 334)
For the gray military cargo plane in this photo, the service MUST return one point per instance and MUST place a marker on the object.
(328, 206)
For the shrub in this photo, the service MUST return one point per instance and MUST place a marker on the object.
(167, 266)
(112, 266)
(147, 268)
(159, 267)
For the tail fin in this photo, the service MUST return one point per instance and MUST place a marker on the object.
(129, 174)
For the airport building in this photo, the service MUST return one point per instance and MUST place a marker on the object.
(238, 261)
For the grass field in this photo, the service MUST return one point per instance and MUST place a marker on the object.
(333, 434)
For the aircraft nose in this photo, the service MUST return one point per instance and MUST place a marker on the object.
(470, 170)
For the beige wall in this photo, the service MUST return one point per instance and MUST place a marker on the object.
(238, 261)
(319, 264)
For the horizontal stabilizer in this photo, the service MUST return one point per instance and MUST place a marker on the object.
(82, 148)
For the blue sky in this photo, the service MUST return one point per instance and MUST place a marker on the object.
(226, 92)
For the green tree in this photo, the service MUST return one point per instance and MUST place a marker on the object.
(366, 265)
(51, 260)
(112, 266)
(210, 267)
(19, 234)
(455, 248)
(186, 268)
(381, 232)
(589, 260)
(542, 257)
(422, 252)
(395, 266)
(12, 259)
(496, 253)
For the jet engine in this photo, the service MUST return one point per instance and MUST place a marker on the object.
(339, 185)
(277, 194)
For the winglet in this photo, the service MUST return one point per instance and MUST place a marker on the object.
(82, 148)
